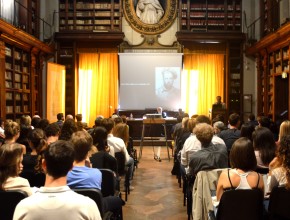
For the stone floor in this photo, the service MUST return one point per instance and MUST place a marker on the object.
(156, 193)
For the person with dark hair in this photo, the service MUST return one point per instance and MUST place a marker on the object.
(10, 168)
(58, 161)
(210, 156)
(252, 120)
(247, 130)
(264, 145)
(102, 158)
(43, 123)
(241, 174)
(233, 133)
(84, 177)
(118, 145)
(67, 129)
(60, 119)
(52, 132)
(37, 143)
(264, 121)
(35, 120)
(218, 104)
(25, 128)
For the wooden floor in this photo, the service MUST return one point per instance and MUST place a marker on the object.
(156, 193)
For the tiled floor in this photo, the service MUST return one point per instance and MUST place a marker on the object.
(156, 193)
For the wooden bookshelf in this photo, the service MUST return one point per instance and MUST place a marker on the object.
(210, 15)
(91, 15)
(21, 61)
(235, 77)
(272, 57)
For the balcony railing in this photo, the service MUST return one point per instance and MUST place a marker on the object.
(267, 23)
(26, 19)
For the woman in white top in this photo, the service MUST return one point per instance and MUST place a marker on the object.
(241, 176)
(10, 167)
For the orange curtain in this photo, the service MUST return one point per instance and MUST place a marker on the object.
(203, 80)
(55, 85)
(97, 85)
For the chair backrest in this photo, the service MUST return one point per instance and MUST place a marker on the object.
(108, 182)
(94, 194)
(8, 202)
(241, 204)
(279, 203)
(120, 156)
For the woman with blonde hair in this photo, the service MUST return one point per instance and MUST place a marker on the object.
(10, 168)
(12, 133)
(280, 175)
(121, 130)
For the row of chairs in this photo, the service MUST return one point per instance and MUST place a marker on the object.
(243, 204)
(9, 199)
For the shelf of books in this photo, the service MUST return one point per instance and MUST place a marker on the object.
(91, 15)
(210, 15)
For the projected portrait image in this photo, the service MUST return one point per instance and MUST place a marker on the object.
(167, 81)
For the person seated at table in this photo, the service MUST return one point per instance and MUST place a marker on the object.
(241, 175)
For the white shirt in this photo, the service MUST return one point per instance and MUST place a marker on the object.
(118, 145)
(192, 145)
(57, 203)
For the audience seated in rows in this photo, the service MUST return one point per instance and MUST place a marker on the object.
(118, 145)
(84, 177)
(58, 160)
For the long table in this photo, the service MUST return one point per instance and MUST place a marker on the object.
(136, 125)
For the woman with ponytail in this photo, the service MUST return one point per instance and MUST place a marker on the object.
(37, 143)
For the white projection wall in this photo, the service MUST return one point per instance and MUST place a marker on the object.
(142, 77)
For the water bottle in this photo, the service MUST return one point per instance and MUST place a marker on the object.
(131, 116)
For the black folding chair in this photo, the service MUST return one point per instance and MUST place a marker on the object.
(8, 202)
(279, 206)
(241, 204)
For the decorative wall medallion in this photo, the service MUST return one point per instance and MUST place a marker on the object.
(150, 16)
